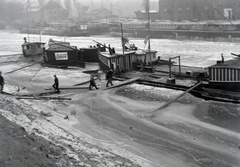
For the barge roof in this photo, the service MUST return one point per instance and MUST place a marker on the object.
(118, 53)
(233, 63)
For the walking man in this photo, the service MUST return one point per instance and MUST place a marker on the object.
(92, 81)
(1, 82)
(109, 77)
(56, 84)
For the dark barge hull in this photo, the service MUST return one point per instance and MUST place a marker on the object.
(201, 92)
(228, 86)
(173, 34)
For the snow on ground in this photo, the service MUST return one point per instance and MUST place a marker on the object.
(50, 128)
(95, 132)
(79, 133)
(36, 79)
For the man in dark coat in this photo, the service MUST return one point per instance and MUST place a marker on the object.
(92, 81)
(56, 84)
(109, 77)
(1, 82)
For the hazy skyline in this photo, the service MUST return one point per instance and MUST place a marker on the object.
(121, 8)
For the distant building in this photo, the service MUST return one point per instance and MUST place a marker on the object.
(81, 9)
(53, 10)
(143, 15)
(99, 13)
(177, 10)
(186, 10)
(37, 13)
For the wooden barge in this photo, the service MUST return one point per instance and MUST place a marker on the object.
(225, 75)
(222, 84)
(60, 54)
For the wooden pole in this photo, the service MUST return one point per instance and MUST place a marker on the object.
(170, 71)
(179, 65)
(28, 6)
(122, 38)
(148, 8)
(44, 98)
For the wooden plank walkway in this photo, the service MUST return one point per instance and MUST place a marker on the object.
(43, 98)
(37, 94)
(124, 83)
(83, 83)
(69, 87)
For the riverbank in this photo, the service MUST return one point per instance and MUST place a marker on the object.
(115, 127)
(18, 148)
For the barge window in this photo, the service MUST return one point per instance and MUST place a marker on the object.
(221, 74)
(218, 74)
(229, 74)
(154, 55)
(233, 76)
(225, 74)
(213, 74)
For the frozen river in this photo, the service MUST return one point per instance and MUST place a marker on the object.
(193, 53)
(184, 134)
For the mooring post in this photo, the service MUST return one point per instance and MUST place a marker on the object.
(179, 66)
(170, 72)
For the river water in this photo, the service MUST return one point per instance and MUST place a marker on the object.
(193, 53)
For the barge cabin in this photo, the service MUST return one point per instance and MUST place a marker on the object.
(225, 75)
(117, 61)
(32, 48)
(144, 60)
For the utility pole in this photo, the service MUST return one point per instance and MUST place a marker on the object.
(123, 45)
(172, 5)
(148, 13)
(28, 8)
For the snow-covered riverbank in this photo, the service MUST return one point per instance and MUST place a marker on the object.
(108, 128)
(103, 128)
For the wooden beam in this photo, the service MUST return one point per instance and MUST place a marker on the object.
(168, 103)
(124, 83)
(38, 94)
(74, 87)
(69, 87)
(44, 98)
(22, 67)
(82, 83)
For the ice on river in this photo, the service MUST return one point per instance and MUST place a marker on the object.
(193, 53)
